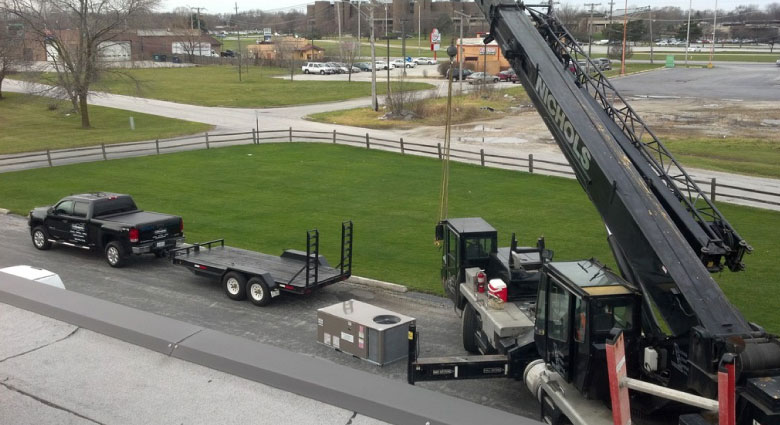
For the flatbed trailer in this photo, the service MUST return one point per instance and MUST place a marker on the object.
(261, 277)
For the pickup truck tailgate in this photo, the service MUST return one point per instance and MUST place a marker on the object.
(151, 226)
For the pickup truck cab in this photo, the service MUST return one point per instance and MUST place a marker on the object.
(108, 222)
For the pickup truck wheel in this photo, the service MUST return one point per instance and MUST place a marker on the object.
(235, 286)
(305, 71)
(115, 254)
(161, 253)
(40, 238)
(468, 329)
(258, 292)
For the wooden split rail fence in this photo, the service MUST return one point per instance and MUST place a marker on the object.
(49, 158)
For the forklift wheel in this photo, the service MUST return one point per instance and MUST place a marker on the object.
(468, 329)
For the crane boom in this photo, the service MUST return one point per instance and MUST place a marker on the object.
(666, 238)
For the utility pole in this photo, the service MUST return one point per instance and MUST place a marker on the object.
(650, 17)
(590, 25)
(338, 17)
(359, 46)
(200, 46)
(688, 32)
(386, 30)
(611, 3)
(460, 50)
(419, 27)
(625, 29)
(238, 37)
(374, 102)
(403, 42)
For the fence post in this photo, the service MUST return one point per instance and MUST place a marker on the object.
(482, 157)
(713, 185)
(291, 134)
(368, 142)
(103, 148)
(531, 163)
(207, 140)
(156, 146)
(402, 146)
(254, 137)
(48, 157)
(334, 137)
(438, 148)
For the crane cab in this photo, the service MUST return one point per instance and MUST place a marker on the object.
(578, 304)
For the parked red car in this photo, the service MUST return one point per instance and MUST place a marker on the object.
(508, 75)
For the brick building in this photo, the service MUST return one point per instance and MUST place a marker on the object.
(132, 45)
(396, 17)
(479, 58)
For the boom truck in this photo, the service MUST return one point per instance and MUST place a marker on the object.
(666, 237)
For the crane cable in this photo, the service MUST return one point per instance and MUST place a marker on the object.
(445, 165)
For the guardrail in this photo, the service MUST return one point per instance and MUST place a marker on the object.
(482, 157)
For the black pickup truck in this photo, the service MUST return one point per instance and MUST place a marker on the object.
(109, 222)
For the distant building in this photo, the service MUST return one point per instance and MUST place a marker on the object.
(482, 58)
(132, 45)
(393, 18)
(301, 48)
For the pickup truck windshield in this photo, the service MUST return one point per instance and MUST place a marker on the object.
(113, 206)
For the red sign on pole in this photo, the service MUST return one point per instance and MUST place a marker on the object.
(435, 41)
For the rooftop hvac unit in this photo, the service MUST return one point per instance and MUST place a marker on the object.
(365, 331)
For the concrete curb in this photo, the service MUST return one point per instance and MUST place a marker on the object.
(373, 283)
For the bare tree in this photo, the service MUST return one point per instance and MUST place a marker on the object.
(72, 32)
(349, 49)
(10, 52)
(287, 53)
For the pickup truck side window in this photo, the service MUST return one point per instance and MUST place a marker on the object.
(64, 208)
(80, 209)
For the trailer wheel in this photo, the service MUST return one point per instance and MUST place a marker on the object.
(468, 328)
(115, 254)
(40, 238)
(235, 286)
(258, 292)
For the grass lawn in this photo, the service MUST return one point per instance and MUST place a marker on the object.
(264, 200)
(28, 124)
(751, 157)
(466, 108)
(631, 68)
(219, 86)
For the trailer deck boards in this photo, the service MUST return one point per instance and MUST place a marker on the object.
(288, 271)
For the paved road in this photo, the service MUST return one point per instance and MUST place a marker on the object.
(746, 82)
(290, 322)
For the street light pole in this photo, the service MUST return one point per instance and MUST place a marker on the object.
(419, 28)
(460, 50)
(590, 25)
(712, 45)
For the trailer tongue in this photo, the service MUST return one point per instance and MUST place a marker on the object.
(259, 276)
